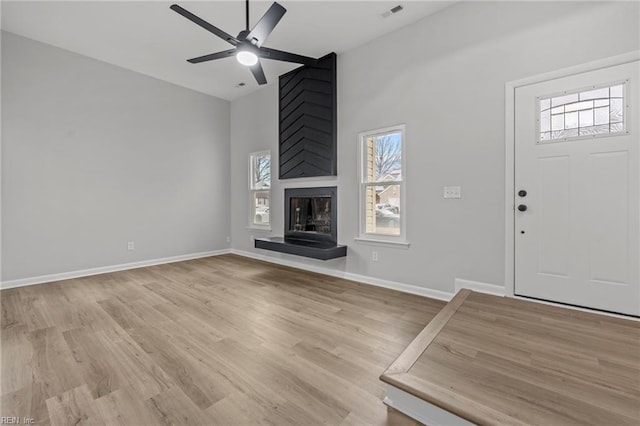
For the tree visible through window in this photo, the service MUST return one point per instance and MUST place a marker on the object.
(260, 186)
(382, 182)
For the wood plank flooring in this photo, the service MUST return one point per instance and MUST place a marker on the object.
(495, 361)
(222, 340)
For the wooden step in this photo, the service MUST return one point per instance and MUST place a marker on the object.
(495, 360)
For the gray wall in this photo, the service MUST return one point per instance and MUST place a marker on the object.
(94, 156)
(444, 77)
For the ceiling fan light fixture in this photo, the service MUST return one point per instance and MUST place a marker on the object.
(247, 58)
(247, 46)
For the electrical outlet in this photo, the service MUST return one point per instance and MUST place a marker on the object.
(131, 245)
(452, 192)
(374, 256)
(228, 239)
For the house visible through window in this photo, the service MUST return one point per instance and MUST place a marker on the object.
(260, 188)
(382, 183)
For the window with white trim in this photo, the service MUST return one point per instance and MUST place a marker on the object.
(259, 188)
(382, 184)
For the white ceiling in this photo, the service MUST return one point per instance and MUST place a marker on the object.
(148, 37)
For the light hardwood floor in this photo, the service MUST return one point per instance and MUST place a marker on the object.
(221, 340)
(496, 361)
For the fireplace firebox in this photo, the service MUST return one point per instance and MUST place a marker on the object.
(310, 214)
(310, 225)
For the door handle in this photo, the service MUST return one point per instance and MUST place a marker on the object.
(522, 208)
(522, 193)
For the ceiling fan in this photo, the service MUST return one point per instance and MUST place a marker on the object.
(247, 44)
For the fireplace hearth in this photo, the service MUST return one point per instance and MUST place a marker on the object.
(311, 225)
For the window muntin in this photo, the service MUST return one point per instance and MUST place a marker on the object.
(259, 187)
(382, 184)
(583, 114)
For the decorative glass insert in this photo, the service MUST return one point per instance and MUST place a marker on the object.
(588, 113)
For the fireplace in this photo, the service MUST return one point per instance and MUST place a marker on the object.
(310, 225)
(310, 214)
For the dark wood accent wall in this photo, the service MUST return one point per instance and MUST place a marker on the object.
(308, 120)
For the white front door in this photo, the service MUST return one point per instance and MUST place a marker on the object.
(577, 189)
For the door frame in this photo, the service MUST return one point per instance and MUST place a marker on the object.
(510, 140)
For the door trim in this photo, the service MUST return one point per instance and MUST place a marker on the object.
(509, 132)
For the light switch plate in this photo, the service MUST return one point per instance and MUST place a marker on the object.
(452, 192)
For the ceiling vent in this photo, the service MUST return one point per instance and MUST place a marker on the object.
(392, 11)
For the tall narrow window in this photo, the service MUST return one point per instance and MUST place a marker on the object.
(259, 188)
(382, 183)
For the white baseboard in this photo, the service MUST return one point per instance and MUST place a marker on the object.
(106, 269)
(405, 288)
(481, 287)
(421, 410)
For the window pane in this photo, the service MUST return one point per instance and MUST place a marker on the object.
(586, 118)
(383, 209)
(602, 93)
(563, 100)
(594, 130)
(383, 159)
(616, 91)
(602, 115)
(545, 104)
(260, 207)
(557, 122)
(579, 106)
(545, 121)
(571, 120)
(616, 110)
(260, 171)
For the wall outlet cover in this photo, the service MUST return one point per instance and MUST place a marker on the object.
(452, 192)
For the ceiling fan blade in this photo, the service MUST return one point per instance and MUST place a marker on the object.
(258, 73)
(204, 24)
(266, 24)
(212, 56)
(279, 55)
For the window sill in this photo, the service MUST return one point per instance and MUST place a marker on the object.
(259, 228)
(387, 243)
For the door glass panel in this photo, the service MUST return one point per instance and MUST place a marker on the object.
(580, 114)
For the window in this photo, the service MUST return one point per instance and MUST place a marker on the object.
(597, 111)
(259, 188)
(382, 184)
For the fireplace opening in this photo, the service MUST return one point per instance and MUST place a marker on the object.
(310, 214)
(310, 225)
